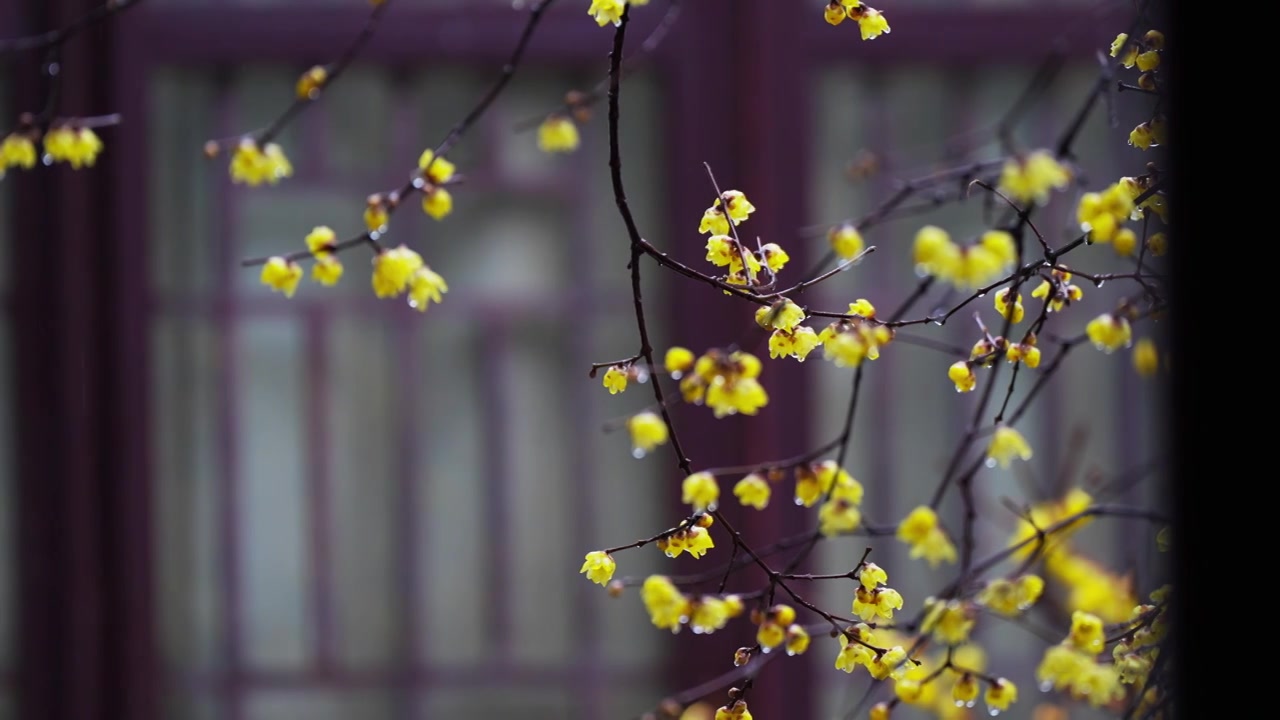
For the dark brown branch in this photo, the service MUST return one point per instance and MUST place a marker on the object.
(54, 38)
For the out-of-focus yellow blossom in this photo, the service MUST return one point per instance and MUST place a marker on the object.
(797, 343)
(1043, 515)
(678, 361)
(1087, 632)
(1032, 178)
(558, 134)
(782, 315)
(1092, 588)
(437, 202)
(770, 635)
(948, 620)
(327, 270)
(426, 286)
(320, 241)
(815, 480)
(1006, 444)
(840, 514)
(737, 711)
(648, 431)
(281, 275)
(17, 150)
(1146, 360)
(774, 256)
(701, 491)
(79, 147)
(1010, 597)
(667, 606)
(311, 82)
(599, 567)
(1158, 244)
(438, 170)
(1109, 332)
(752, 491)
(1000, 244)
(871, 575)
(1132, 667)
(965, 691)
(252, 165)
(880, 711)
(934, 253)
(1100, 214)
(709, 614)
(1125, 242)
(615, 379)
(870, 21)
(1062, 667)
(1003, 306)
(376, 216)
(797, 640)
(920, 530)
(1025, 352)
(1000, 695)
(846, 241)
(881, 602)
(962, 375)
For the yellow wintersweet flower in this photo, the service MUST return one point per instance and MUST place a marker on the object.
(1146, 360)
(1148, 61)
(1062, 666)
(917, 524)
(1059, 292)
(557, 134)
(814, 480)
(678, 361)
(770, 635)
(870, 21)
(311, 82)
(698, 541)
(666, 605)
(1002, 305)
(1118, 43)
(1031, 179)
(1109, 332)
(965, 691)
(437, 202)
(846, 241)
(701, 491)
(738, 205)
(722, 250)
(881, 602)
(79, 147)
(892, 663)
(1010, 597)
(797, 640)
(881, 710)
(796, 343)
(935, 254)
(871, 575)
(607, 11)
(1007, 444)
(17, 150)
(962, 375)
(1125, 242)
(1141, 137)
(1001, 245)
(839, 514)
(782, 315)
(927, 539)
(320, 241)
(1087, 632)
(615, 379)
(949, 621)
(774, 256)
(253, 166)
(426, 286)
(375, 214)
(752, 491)
(852, 654)
(714, 222)
(1158, 244)
(862, 307)
(709, 614)
(737, 711)
(1000, 695)
(441, 170)
(648, 431)
(1025, 352)
(327, 269)
(281, 275)
(834, 13)
(599, 567)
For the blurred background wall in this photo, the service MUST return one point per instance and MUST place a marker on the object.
(220, 504)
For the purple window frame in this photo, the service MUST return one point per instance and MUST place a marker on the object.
(79, 297)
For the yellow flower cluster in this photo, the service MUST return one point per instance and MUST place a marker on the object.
(969, 267)
(1043, 515)
(1092, 588)
(1101, 214)
(1109, 332)
(961, 373)
(1149, 134)
(815, 480)
(753, 491)
(1010, 597)
(928, 687)
(1057, 290)
(311, 83)
(777, 626)
(1024, 352)
(854, 652)
(281, 275)
(1146, 360)
(1072, 666)
(648, 431)
(949, 621)
(610, 11)
(848, 341)
(724, 382)
(17, 150)
(870, 599)
(1030, 179)
(436, 172)
(252, 165)
(714, 220)
(401, 269)
(599, 567)
(1011, 311)
(701, 491)
(920, 530)
(870, 21)
(558, 134)
(327, 269)
(668, 607)
(76, 146)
